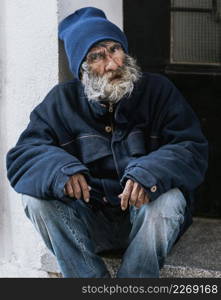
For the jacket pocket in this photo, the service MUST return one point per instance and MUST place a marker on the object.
(136, 143)
(88, 148)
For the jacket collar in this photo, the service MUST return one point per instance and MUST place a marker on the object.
(124, 108)
(127, 106)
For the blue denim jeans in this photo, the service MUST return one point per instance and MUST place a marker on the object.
(76, 233)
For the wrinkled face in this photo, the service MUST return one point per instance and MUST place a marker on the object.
(106, 57)
(108, 74)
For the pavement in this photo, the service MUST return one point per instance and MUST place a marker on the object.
(196, 255)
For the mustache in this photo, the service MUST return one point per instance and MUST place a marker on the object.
(113, 75)
(116, 74)
(114, 84)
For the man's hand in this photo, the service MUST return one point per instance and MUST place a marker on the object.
(76, 187)
(134, 194)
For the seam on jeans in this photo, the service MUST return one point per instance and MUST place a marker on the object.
(79, 241)
(61, 211)
(48, 235)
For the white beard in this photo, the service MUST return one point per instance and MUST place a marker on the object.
(102, 88)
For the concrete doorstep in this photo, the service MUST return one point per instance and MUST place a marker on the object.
(196, 255)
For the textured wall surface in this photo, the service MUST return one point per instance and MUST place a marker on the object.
(112, 8)
(29, 68)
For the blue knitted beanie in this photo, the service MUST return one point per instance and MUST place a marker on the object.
(82, 29)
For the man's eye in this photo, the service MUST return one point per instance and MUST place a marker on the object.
(115, 48)
(95, 57)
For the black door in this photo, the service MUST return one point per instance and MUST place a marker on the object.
(182, 40)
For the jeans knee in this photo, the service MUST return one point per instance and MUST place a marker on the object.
(36, 207)
(169, 205)
(174, 201)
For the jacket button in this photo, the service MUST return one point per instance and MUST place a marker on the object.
(153, 189)
(105, 199)
(108, 129)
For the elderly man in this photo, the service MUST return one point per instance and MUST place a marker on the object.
(109, 160)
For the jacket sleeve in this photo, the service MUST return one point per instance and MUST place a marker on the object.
(181, 159)
(37, 166)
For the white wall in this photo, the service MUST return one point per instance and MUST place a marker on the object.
(28, 70)
(5, 232)
(112, 8)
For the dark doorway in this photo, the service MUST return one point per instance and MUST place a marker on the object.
(181, 39)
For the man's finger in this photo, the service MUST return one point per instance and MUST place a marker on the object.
(125, 196)
(146, 198)
(141, 194)
(65, 192)
(69, 189)
(84, 188)
(76, 187)
(140, 198)
(134, 193)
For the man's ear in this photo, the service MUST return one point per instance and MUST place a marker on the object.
(84, 68)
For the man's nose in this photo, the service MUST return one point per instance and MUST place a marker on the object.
(111, 64)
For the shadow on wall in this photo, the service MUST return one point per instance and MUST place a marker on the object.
(64, 71)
